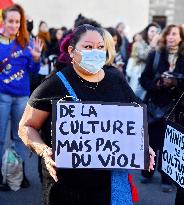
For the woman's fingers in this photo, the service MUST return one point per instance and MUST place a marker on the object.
(37, 45)
(152, 159)
(151, 152)
(54, 177)
(52, 172)
(152, 163)
(41, 45)
(50, 164)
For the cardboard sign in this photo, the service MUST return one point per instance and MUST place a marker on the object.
(91, 135)
(173, 154)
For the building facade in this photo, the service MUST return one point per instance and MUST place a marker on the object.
(57, 13)
(166, 11)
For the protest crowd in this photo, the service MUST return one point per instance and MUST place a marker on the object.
(54, 64)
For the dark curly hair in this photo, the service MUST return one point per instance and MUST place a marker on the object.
(144, 33)
(83, 20)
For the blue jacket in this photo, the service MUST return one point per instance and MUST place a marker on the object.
(14, 78)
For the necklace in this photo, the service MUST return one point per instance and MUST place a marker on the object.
(5, 39)
(93, 86)
(172, 58)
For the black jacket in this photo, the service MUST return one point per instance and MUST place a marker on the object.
(161, 95)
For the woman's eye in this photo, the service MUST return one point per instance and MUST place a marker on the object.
(88, 47)
(100, 47)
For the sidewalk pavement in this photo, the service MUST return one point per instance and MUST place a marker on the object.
(149, 194)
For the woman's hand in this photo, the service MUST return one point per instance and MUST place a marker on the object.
(154, 41)
(37, 49)
(50, 164)
(168, 82)
(152, 159)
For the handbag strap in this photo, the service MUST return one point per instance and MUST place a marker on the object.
(67, 86)
(174, 107)
(155, 66)
(156, 61)
(5, 61)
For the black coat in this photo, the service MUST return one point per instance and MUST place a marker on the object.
(162, 96)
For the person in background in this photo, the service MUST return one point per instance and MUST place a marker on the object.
(124, 48)
(56, 36)
(44, 35)
(136, 37)
(34, 77)
(59, 34)
(137, 62)
(18, 57)
(30, 26)
(118, 61)
(64, 30)
(90, 83)
(110, 47)
(163, 90)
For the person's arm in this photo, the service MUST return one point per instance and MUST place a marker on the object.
(131, 97)
(29, 126)
(141, 51)
(148, 79)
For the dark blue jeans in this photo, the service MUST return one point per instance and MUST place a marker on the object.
(11, 108)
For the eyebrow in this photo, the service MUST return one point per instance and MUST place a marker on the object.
(92, 42)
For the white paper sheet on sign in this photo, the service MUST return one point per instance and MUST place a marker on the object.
(173, 155)
(99, 136)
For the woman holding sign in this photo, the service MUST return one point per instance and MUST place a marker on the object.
(87, 51)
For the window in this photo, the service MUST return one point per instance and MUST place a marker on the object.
(161, 20)
(159, 2)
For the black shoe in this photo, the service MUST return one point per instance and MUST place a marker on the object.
(25, 183)
(4, 187)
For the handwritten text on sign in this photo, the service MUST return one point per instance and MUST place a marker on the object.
(173, 155)
(99, 136)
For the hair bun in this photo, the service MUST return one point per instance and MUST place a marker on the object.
(65, 43)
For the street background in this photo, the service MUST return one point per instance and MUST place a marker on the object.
(149, 194)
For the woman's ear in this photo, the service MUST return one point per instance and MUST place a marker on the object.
(70, 51)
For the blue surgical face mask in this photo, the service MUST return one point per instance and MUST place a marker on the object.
(92, 60)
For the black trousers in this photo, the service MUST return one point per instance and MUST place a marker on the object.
(156, 141)
(64, 193)
(58, 194)
(67, 196)
(179, 196)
